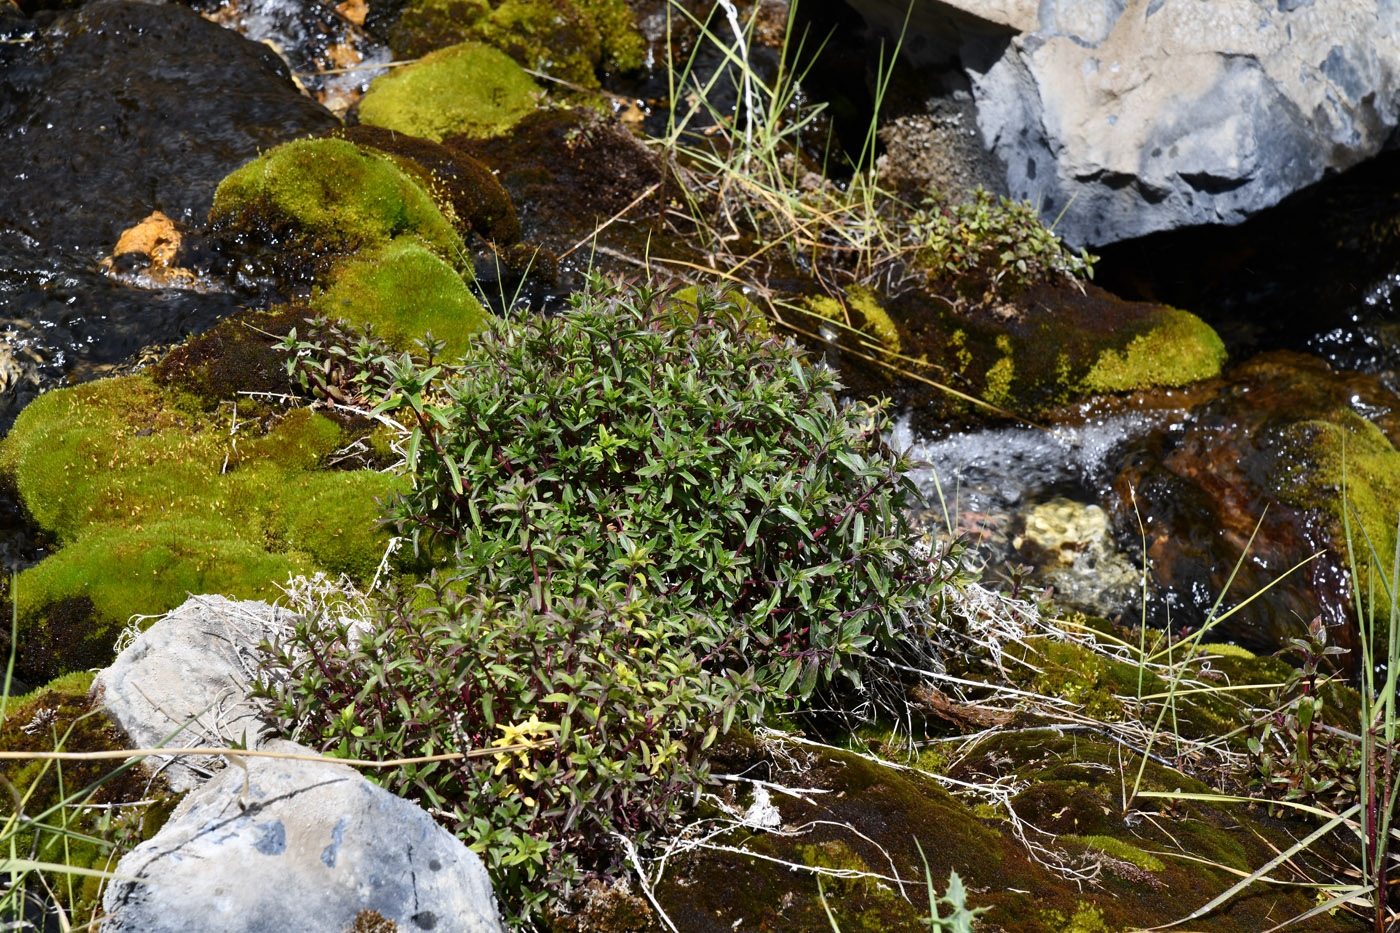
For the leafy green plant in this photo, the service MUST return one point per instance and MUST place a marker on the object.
(651, 520)
(1294, 755)
(992, 245)
(616, 715)
(960, 916)
(681, 455)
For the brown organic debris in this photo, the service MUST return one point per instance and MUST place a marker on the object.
(154, 244)
(963, 715)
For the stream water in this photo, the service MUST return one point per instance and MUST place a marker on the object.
(115, 110)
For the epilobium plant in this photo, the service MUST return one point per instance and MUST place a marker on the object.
(682, 455)
(647, 518)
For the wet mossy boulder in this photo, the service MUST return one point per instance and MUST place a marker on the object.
(316, 201)
(153, 495)
(404, 290)
(1257, 462)
(569, 39)
(454, 178)
(1052, 345)
(469, 89)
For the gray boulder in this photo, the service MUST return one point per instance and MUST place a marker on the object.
(189, 674)
(1132, 116)
(278, 844)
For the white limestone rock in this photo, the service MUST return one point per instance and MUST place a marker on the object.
(1133, 116)
(192, 669)
(304, 846)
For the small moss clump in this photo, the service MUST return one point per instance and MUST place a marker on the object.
(322, 199)
(1117, 848)
(569, 39)
(463, 90)
(404, 290)
(869, 316)
(1087, 919)
(1180, 349)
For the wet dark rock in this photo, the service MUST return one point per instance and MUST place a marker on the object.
(1025, 354)
(1262, 450)
(114, 111)
(123, 108)
(567, 171)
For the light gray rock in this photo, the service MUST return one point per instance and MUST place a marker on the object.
(191, 669)
(304, 846)
(1132, 116)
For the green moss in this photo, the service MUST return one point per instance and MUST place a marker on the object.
(299, 440)
(1117, 848)
(1352, 451)
(862, 310)
(320, 198)
(152, 499)
(334, 518)
(1226, 650)
(469, 89)
(838, 856)
(1087, 919)
(404, 291)
(148, 569)
(113, 450)
(1178, 350)
(569, 39)
(462, 186)
(875, 320)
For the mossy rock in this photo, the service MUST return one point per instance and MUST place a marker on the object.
(569, 39)
(334, 519)
(1256, 463)
(153, 498)
(1052, 345)
(404, 291)
(455, 179)
(320, 200)
(233, 357)
(463, 90)
(61, 717)
(115, 450)
(116, 572)
(872, 814)
(1348, 464)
